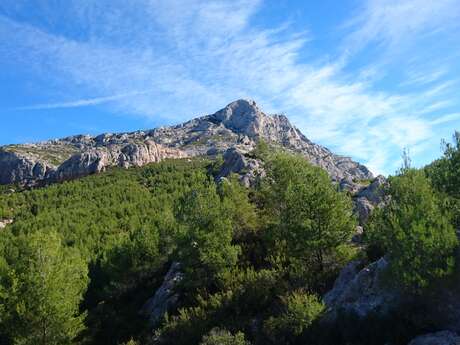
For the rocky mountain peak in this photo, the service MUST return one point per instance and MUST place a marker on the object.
(237, 127)
(243, 116)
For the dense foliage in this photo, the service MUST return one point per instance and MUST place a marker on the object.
(82, 257)
(222, 337)
(42, 286)
(122, 223)
(414, 231)
(444, 174)
(300, 310)
(206, 248)
(308, 220)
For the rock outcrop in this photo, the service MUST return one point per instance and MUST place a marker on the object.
(5, 222)
(366, 199)
(360, 292)
(165, 298)
(33, 163)
(236, 162)
(98, 159)
(18, 168)
(238, 126)
(438, 338)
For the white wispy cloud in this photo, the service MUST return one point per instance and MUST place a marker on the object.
(446, 118)
(395, 24)
(81, 102)
(417, 76)
(195, 56)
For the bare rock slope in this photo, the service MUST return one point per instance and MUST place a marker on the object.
(237, 127)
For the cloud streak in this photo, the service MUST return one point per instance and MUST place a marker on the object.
(395, 24)
(82, 102)
(196, 56)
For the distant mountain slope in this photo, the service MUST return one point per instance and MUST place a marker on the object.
(238, 126)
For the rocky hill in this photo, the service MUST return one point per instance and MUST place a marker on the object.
(233, 131)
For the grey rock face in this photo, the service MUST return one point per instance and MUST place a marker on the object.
(239, 125)
(165, 297)
(235, 162)
(149, 152)
(438, 338)
(374, 192)
(29, 164)
(367, 198)
(20, 168)
(360, 292)
(363, 209)
(342, 282)
(86, 163)
(242, 117)
(98, 159)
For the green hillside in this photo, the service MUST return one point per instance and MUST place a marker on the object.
(81, 257)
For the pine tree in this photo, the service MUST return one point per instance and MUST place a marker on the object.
(42, 285)
(445, 177)
(414, 231)
(206, 243)
(238, 206)
(310, 217)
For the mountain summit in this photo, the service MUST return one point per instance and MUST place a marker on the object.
(235, 128)
(242, 116)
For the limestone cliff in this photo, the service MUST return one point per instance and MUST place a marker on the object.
(237, 127)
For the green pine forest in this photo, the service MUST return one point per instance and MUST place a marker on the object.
(83, 256)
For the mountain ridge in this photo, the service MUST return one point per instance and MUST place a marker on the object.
(238, 126)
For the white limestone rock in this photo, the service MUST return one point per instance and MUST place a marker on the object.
(239, 125)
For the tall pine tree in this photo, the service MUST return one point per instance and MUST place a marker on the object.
(41, 286)
(414, 230)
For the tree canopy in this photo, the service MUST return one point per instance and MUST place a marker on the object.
(415, 231)
(41, 287)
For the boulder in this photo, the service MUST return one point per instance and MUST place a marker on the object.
(165, 298)
(375, 192)
(369, 197)
(347, 274)
(363, 209)
(361, 292)
(235, 162)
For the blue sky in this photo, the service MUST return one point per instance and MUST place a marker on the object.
(364, 78)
